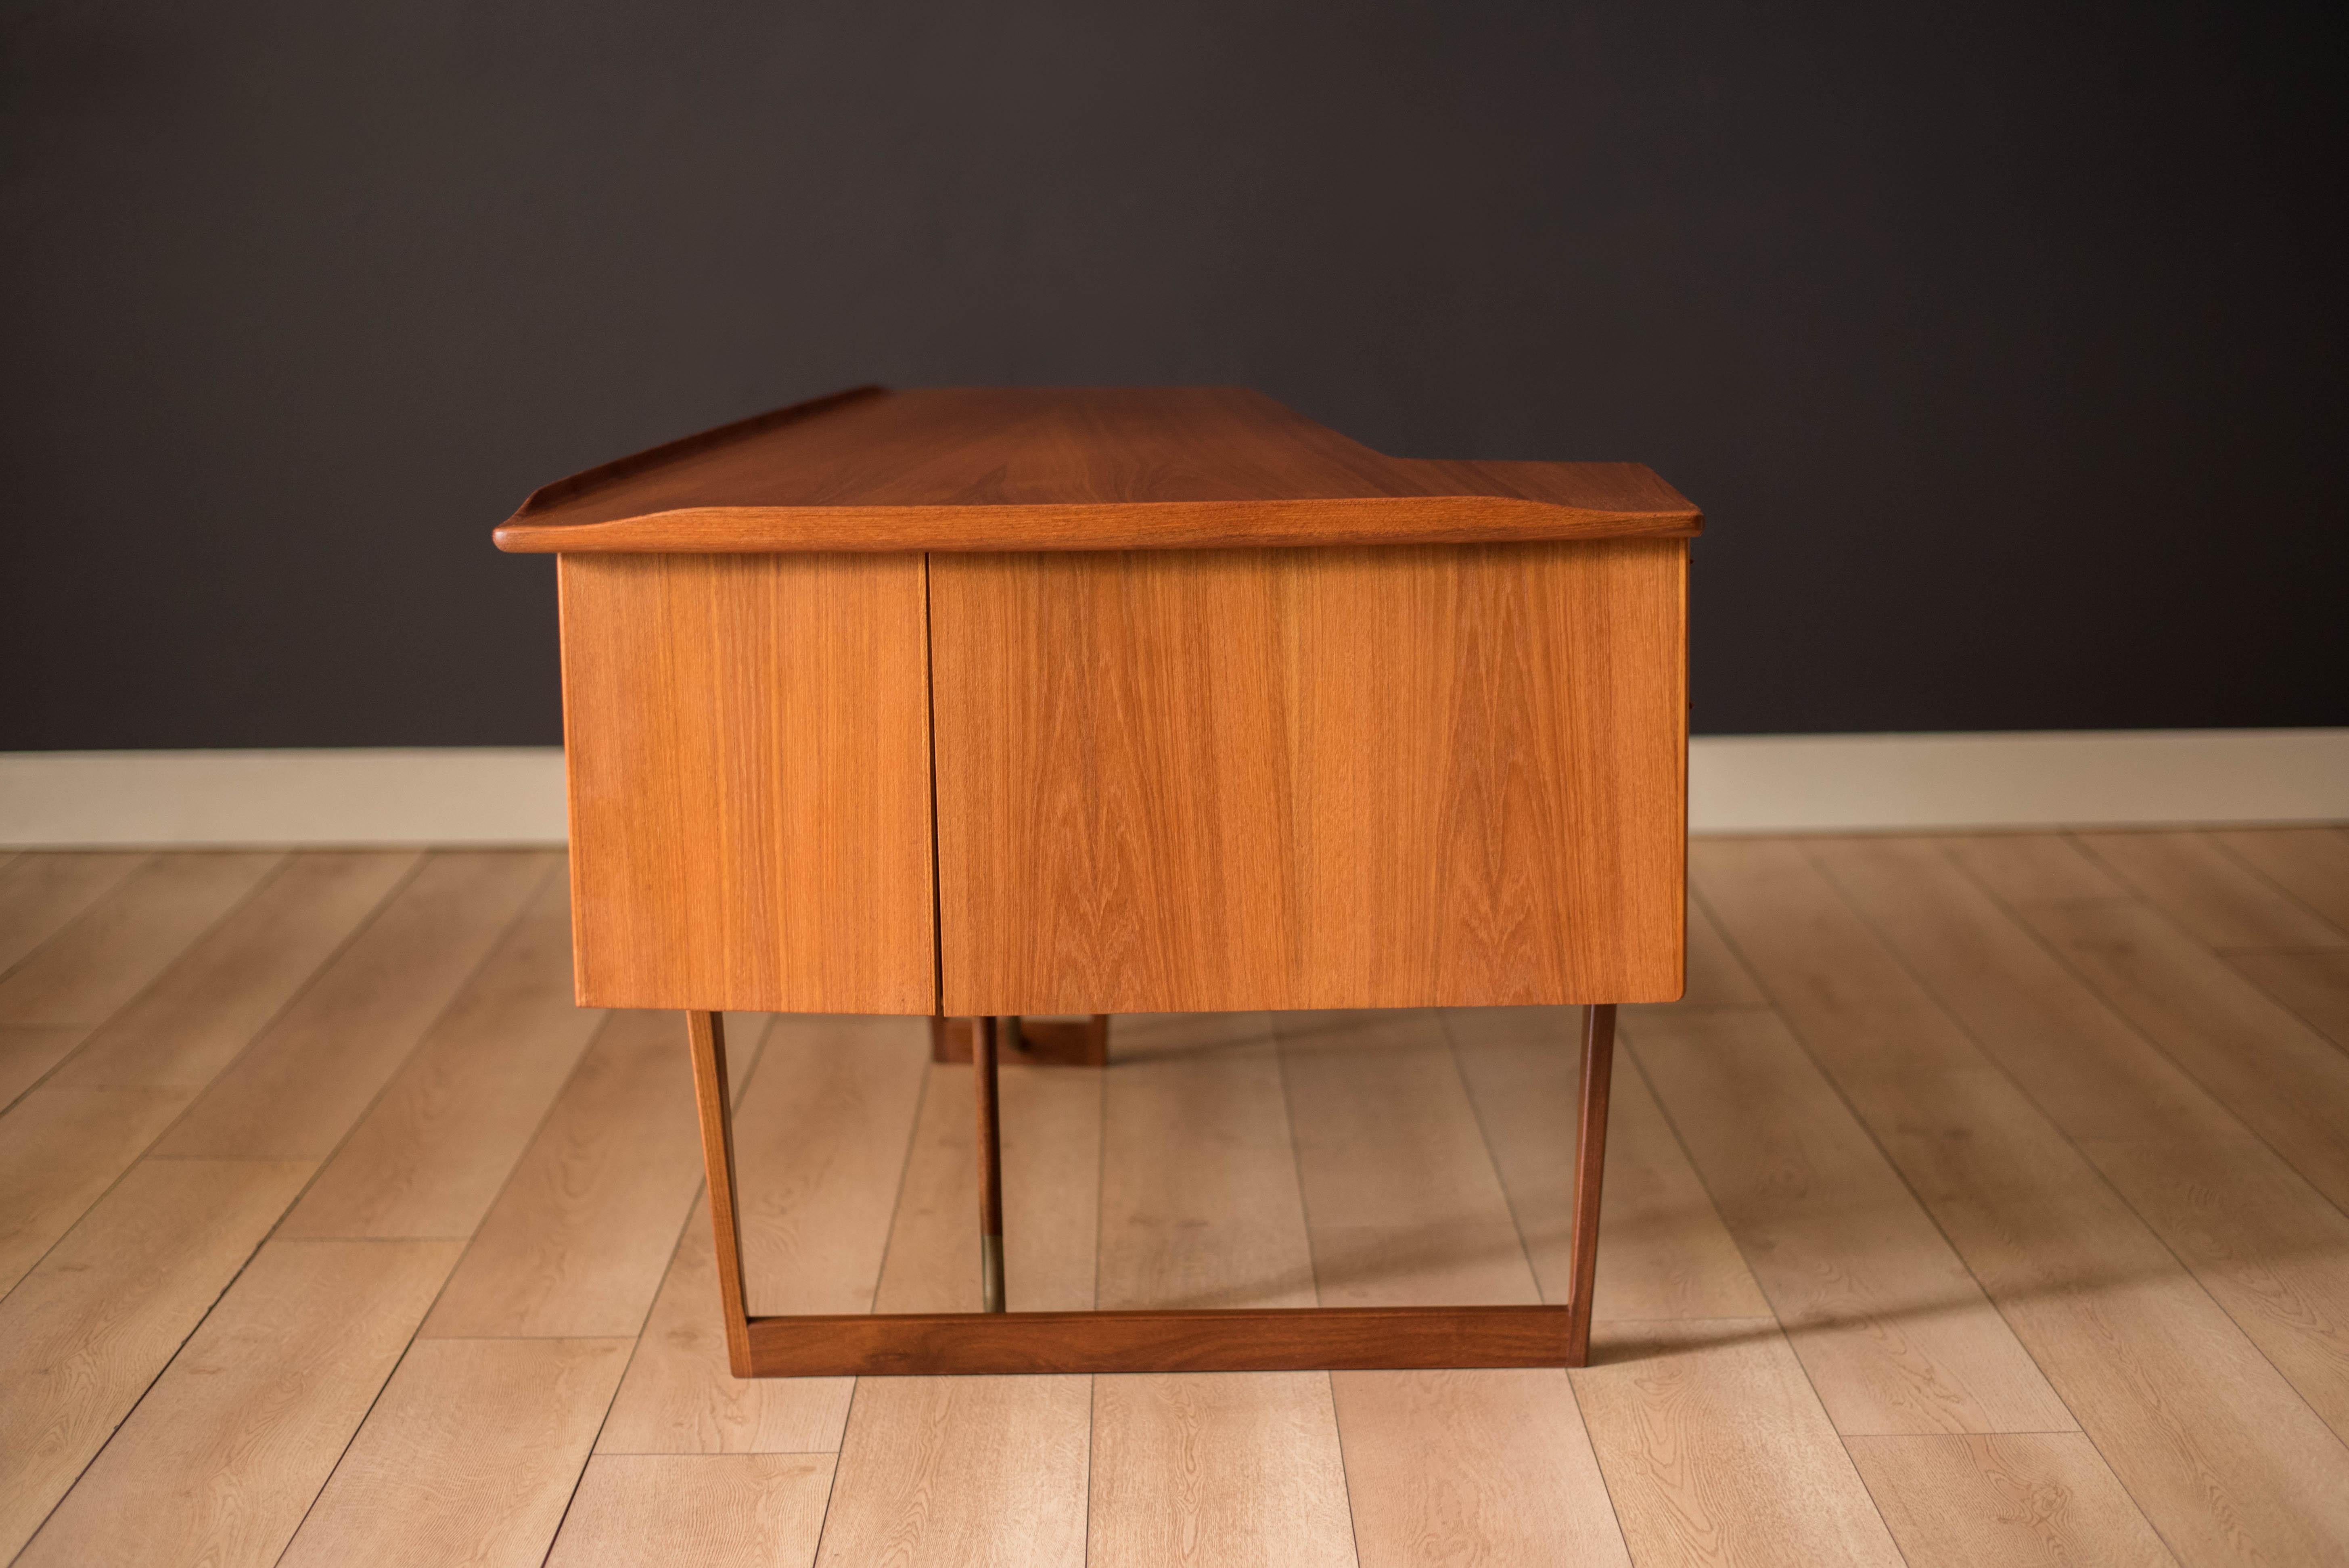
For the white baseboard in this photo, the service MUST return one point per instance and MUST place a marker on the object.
(1737, 784)
(456, 795)
(2114, 777)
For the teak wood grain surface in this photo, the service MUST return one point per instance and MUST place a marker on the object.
(941, 702)
(747, 744)
(986, 469)
(1235, 780)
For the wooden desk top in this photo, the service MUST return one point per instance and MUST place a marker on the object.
(1067, 469)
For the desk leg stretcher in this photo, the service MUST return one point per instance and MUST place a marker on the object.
(1264, 1339)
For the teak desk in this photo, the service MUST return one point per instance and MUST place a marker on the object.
(982, 703)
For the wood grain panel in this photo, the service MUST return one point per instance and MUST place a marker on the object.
(1304, 778)
(696, 1511)
(471, 1456)
(225, 1453)
(86, 1331)
(2026, 1500)
(748, 746)
(1716, 1451)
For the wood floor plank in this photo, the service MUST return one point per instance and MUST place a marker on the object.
(1200, 1205)
(575, 1245)
(83, 1335)
(41, 893)
(820, 1147)
(939, 1472)
(26, 1054)
(1716, 1450)
(820, 1144)
(297, 1090)
(1402, 1201)
(89, 970)
(2269, 1250)
(469, 1456)
(2023, 1499)
(231, 982)
(2225, 1459)
(679, 1396)
(1715, 978)
(1241, 1468)
(2286, 1082)
(2265, 1243)
(60, 1149)
(2031, 868)
(66, 1142)
(225, 1453)
(1895, 1334)
(2079, 1061)
(2310, 863)
(1666, 1252)
(2314, 985)
(1052, 1141)
(1482, 1466)
(696, 1511)
(1405, 1205)
(2216, 898)
(429, 1155)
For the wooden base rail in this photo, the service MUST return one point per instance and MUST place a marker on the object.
(1262, 1339)
(1268, 1340)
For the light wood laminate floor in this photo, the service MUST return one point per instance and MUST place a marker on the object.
(1982, 1203)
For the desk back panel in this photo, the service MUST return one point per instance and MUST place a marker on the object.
(748, 743)
(1316, 778)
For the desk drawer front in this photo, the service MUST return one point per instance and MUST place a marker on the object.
(1189, 781)
(748, 743)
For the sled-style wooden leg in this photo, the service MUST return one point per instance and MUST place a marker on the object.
(1256, 1339)
(706, 1036)
(990, 1170)
(1589, 1166)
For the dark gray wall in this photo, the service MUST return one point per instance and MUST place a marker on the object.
(2003, 345)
